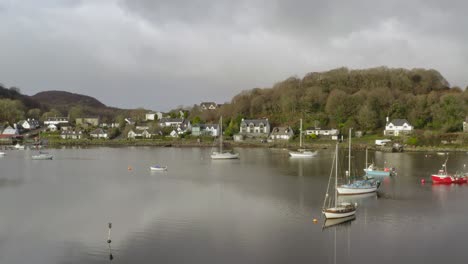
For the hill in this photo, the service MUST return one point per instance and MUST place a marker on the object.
(65, 100)
(361, 99)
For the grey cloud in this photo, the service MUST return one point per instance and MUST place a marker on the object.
(160, 54)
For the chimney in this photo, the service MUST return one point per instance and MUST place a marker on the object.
(387, 119)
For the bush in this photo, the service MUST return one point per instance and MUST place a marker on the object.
(413, 141)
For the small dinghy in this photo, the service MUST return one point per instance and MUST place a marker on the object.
(158, 168)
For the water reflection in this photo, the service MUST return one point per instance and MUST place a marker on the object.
(257, 209)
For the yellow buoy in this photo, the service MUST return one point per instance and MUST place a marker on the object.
(315, 220)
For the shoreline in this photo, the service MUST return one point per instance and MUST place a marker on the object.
(182, 143)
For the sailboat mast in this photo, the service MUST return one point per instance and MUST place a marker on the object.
(365, 167)
(221, 135)
(349, 156)
(300, 137)
(336, 173)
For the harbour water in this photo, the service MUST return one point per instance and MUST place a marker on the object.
(258, 209)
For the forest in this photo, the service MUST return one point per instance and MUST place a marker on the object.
(361, 99)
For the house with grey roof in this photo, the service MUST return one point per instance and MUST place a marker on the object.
(398, 127)
(208, 106)
(99, 133)
(205, 130)
(254, 127)
(281, 133)
(29, 124)
(56, 120)
(137, 133)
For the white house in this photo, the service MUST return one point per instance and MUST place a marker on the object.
(171, 122)
(255, 127)
(398, 127)
(138, 133)
(212, 130)
(56, 121)
(205, 130)
(99, 133)
(52, 127)
(29, 124)
(150, 116)
(10, 131)
(208, 106)
(153, 116)
(284, 133)
(322, 132)
(71, 134)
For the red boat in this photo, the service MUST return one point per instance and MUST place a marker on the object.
(443, 177)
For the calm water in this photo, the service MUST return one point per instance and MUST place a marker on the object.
(258, 209)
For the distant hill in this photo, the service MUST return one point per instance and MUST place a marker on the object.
(14, 94)
(65, 100)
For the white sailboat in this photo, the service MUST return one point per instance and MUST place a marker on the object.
(302, 153)
(223, 154)
(357, 186)
(337, 210)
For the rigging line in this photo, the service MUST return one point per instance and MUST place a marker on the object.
(329, 180)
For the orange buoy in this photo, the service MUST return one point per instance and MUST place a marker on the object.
(129, 168)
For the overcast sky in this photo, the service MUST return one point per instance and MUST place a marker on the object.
(162, 54)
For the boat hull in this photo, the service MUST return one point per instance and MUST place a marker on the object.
(377, 173)
(351, 191)
(339, 212)
(158, 168)
(42, 157)
(225, 155)
(329, 222)
(447, 179)
(302, 154)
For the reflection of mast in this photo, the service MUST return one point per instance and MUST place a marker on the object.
(334, 255)
(111, 257)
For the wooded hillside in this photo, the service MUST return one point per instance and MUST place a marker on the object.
(357, 98)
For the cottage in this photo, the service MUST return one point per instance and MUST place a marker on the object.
(71, 134)
(56, 121)
(328, 132)
(255, 127)
(150, 116)
(99, 133)
(282, 133)
(171, 122)
(398, 127)
(52, 127)
(29, 124)
(205, 130)
(137, 133)
(208, 106)
(10, 131)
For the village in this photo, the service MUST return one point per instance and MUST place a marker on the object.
(158, 125)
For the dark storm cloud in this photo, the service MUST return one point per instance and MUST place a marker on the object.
(160, 54)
